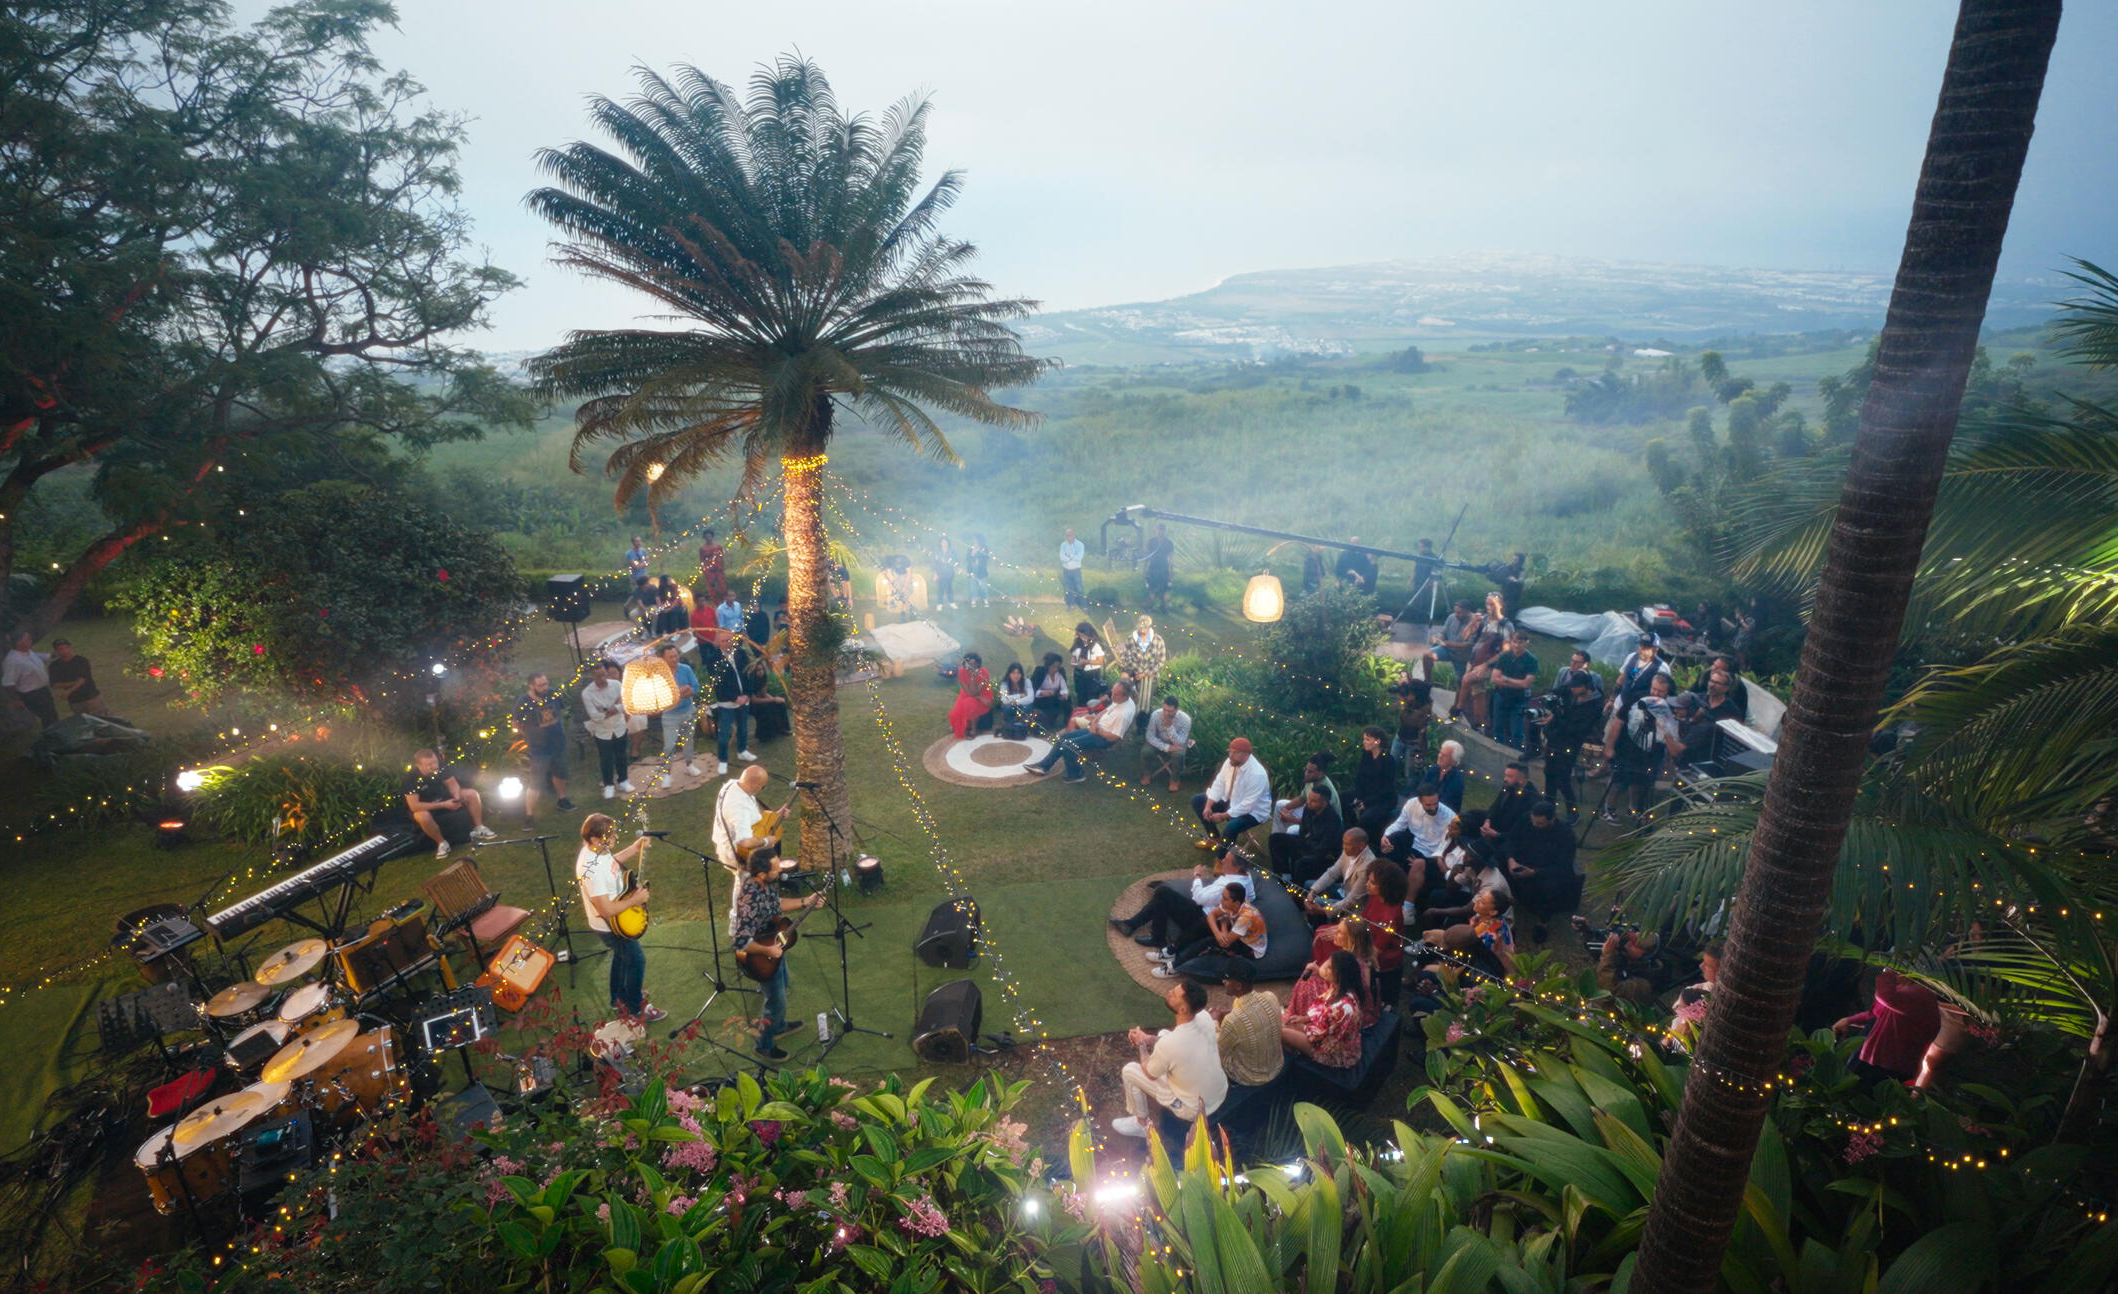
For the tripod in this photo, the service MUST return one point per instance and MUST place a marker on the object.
(840, 928)
(707, 863)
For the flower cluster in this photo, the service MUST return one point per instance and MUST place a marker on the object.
(925, 1219)
(1861, 1145)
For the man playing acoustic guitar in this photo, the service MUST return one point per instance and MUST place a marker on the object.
(601, 874)
(753, 927)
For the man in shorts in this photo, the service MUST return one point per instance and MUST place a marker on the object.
(540, 720)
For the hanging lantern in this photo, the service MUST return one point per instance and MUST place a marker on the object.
(650, 685)
(1262, 599)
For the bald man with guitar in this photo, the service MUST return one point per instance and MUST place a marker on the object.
(761, 927)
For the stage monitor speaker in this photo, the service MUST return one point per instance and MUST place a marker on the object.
(948, 1023)
(566, 598)
(951, 937)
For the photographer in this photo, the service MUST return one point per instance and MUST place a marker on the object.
(1566, 716)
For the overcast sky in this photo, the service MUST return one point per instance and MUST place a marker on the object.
(1127, 152)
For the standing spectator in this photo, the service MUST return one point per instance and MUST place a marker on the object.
(944, 574)
(1312, 569)
(1160, 551)
(1356, 568)
(1167, 745)
(1049, 696)
(680, 724)
(1088, 659)
(1071, 554)
(703, 621)
(1514, 675)
(1414, 691)
(1635, 740)
(1179, 1069)
(1902, 1020)
(1238, 798)
(713, 570)
(603, 701)
(728, 613)
(1140, 659)
(1509, 578)
(974, 697)
(977, 566)
(1459, 634)
(727, 665)
(841, 583)
(636, 560)
(897, 588)
(1099, 729)
(26, 673)
(1639, 670)
(72, 678)
(540, 720)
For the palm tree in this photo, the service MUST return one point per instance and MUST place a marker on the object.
(795, 251)
(1975, 150)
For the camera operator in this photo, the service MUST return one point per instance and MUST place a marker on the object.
(1630, 964)
(1638, 735)
(1566, 717)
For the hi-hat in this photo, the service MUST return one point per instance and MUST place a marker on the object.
(310, 1052)
(236, 999)
(227, 1114)
(292, 962)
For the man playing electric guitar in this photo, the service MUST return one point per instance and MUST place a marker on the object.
(753, 918)
(601, 875)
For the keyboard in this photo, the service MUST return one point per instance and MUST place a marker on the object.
(339, 869)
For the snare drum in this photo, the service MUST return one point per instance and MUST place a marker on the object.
(357, 1082)
(311, 1006)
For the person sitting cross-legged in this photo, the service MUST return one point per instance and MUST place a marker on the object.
(1176, 916)
(1238, 798)
(1179, 1069)
(1235, 931)
(1305, 837)
(1099, 729)
(1343, 886)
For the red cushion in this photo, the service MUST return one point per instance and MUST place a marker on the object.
(174, 1095)
(497, 923)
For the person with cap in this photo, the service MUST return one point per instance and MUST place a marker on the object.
(1140, 658)
(1238, 798)
(1639, 670)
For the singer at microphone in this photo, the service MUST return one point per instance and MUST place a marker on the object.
(736, 813)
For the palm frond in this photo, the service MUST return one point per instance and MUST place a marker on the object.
(2088, 326)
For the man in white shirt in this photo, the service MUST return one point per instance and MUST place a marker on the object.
(1168, 743)
(25, 673)
(603, 702)
(736, 812)
(1238, 798)
(1071, 553)
(1179, 1069)
(1347, 877)
(1096, 730)
(1417, 838)
(1176, 915)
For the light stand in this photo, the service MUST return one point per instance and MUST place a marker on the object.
(840, 928)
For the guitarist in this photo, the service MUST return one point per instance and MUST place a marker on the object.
(735, 814)
(601, 875)
(752, 915)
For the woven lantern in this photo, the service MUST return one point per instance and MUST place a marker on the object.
(1262, 598)
(650, 685)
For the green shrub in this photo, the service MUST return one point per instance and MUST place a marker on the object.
(312, 800)
(1319, 658)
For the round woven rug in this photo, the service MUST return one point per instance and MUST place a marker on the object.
(1133, 957)
(985, 760)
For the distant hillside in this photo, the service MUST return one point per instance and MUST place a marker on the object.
(1348, 308)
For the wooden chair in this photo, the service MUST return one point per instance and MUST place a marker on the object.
(459, 893)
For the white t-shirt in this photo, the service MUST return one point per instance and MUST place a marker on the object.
(24, 671)
(735, 815)
(604, 703)
(1188, 1058)
(600, 876)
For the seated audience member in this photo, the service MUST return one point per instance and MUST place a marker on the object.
(1415, 839)
(1343, 887)
(1014, 696)
(1050, 698)
(1235, 931)
(1511, 806)
(1384, 914)
(1098, 729)
(438, 803)
(1328, 1031)
(1688, 1020)
(1623, 968)
(1447, 774)
(1251, 1055)
(1168, 743)
(974, 698)
(1304, 845)
(1179, 1069)
(1474, 689)
(1465, 953)
(1314, 773)
(1903, 1019)
(1467, 862)
(1352, 935)
(1540, 865)
(1238, 798)
(1735, 697)
(1175, 917)
(1489, 922)
(1635, 740)
(1372, 801)
(1464, 627)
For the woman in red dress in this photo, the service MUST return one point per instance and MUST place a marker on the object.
(1328, 1031)
(713, 573)
(974, 696)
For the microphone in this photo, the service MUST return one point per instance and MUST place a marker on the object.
(658, 835)
(808, 786)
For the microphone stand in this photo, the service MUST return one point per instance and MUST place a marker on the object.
(840, 928)
(707, 863)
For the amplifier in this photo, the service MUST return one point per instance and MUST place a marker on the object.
(566, 598)
(948, 1023)
(517, 971)
(951, 936)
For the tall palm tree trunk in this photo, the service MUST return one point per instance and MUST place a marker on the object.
(1975, 150)
(812, 675)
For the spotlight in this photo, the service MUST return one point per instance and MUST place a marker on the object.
(171, 833)
(190, 779)
(439, 669)
(510, 788)
(868, 870)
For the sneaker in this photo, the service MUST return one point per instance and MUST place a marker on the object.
(651, 1013)
(748, 757)
(1163, 970)
(1032, 768)
(565, 805)
(483, 832)
(1126, 1125)
(610, 792)
(668, 780)
(1071, 778)
(1610, 817)
(528, 823)
(720, 768)
(691, 766)
(441, 850)
(771, 1053)
(625, 787)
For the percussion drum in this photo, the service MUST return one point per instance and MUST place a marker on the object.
(356, 1083)
(256, 1044)
(238, 1006)
(312, 1006)
(194, 1158)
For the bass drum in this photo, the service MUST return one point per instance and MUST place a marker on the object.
(174, 1179)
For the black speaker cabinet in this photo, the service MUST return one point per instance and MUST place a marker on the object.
(566, 598)
(951, 936)
(948, 1023)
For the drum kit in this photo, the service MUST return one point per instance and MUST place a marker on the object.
(302, 1051)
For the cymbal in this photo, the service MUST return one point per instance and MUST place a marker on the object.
(236, 999)
(292, 962)
(227, 1114)
(310, 1052)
